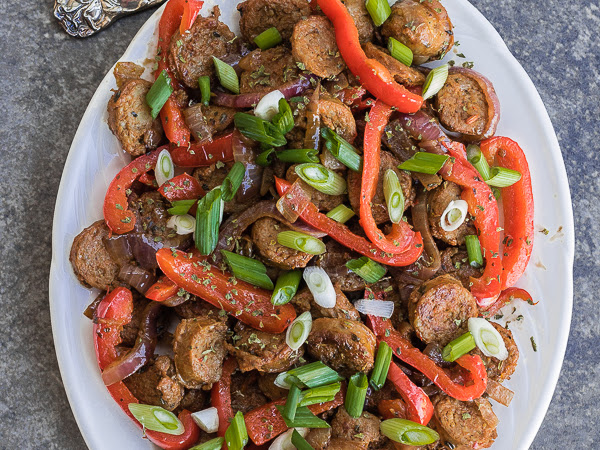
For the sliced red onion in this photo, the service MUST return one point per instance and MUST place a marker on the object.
(119, 248)
(379, 308)
(207, 419)
(141, 353)
(487, 413)
(244, 152)
(138, 278)
(500, 393)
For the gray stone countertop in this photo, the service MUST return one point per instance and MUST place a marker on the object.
(46, 82)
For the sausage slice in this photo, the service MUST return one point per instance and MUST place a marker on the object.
(501, 370)
(343, 309)
(362, 19)
(260, 15)
(363, 430)
(265, 71)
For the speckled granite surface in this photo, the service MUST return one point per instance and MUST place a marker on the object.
(47, 81)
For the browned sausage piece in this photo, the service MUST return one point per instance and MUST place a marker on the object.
(155, 384)
(265, 71)
(323, 202)
(343, 444)
(125, 71)
(347, 346)
(130, 330)
(363, 430)
(362, 19)
(266, 352)
(199, 351)
(190, 55)
(337, 116)
(319, 438)
(212, 176)
(314, 45)
(379, 208)
(195, 307)
(343, 309)
(424, 27)
(130, 119)
(439, 309)
(207, 121)
(334, 260)
(90, 260)
(266, 383)
(264, 236)
(463, 422)
(439, 199)
(455, 262)
(501, 370)
(245, 393)
(193, 400)
(401, 73)
(260, 15)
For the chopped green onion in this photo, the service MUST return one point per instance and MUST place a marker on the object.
(213, 444)
(268, 39)
(304, 418)
(320, 286)
(407, 432)
(400, 51)
(487, 338)
(367, 269)
(474, 251)
(301, 242)
(181, 207)
(299, 442)
(435, 81)
(319, 394)
(382, 365)
(208, 219)
(379, 10)
(310, 375)
(321, 178)
(341, 149)
(298, 331)
(502, 177)
(476, 158)
(341, 213)
(268, 106)
(232, 181)
(182, 224)
(298, 156)
(459, 347)
(424, 162)
(236, 435)
(284, 119)
(227, 76)
(394, 197)
(259, 130)
(164, 169)
(291, 403)
(159, 93)
(356, 394)
(204, 83)
(264, 159)
(248, 269)
(156, 418)
(286, 287)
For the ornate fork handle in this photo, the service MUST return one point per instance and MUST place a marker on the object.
(82, 18)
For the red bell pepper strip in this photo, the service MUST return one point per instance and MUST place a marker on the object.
(148, 180)
(116, 215)
(414, 357)
(506, 297)
(372, 74)
(265, 422)
(484, 208)
(309, 213)
(249, 304)
(517, 203)
(392, 409)
(113, 312)
(401, 236)
(162, 290)
(220, 395)
(203, 154)
(191, 9)
(418, 405)
(181, 187)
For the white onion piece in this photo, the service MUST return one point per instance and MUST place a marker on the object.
(454, 215)
(320, 286)
(284, 441)
(182, 224)
(379, 308)
(281, 381)
(268, 106)
(298, 331)
(207, 419)
(164, 169)
(487, 338)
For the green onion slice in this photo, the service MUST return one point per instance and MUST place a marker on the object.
(367, 269)
(299, 442)
(301, 242)
(248, 269)
(502, 177)
(227, 76)
(182, 224)
(454, 215)
(379, 10)
(213, 444)
(208, 219)
(459, 347)
(286, 287)
(435, 81)
(204, 84)
(394, 197)
(381, 367)
(164, 169)
(487, 338)
(356, 394)
(304, 418)
(156, 418)
(424, 162)
(233, 181)
(236, 435)
(320, 286)
(474, 251)
(284, 119)
(476, 158)
(321, 178)
(407, 432)
(291, 403)
(400, 51)
(308, 376)
(298, 331)
(298, 156)
(265, 158)
(180, 207)
(341, 149)
(319, 394)
(259, 130)
(268, 39)
(159, 93)
(341, 214)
